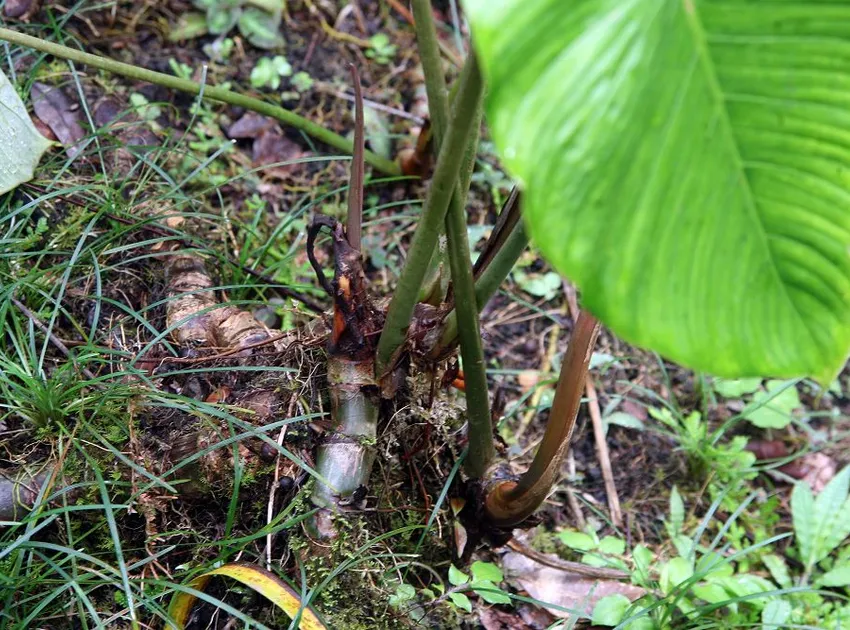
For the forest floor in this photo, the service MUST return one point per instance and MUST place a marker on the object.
(156, 462)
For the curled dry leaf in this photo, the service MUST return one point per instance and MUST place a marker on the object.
(61, 114)
(767, 449)
(567, 591)
(816, 469)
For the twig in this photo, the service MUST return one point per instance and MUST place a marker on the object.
(229, 351)
(54, 340)
(378, 106)
(599, 433)
(572, 500)
(273, 490)
(576, 568)
(536, 397)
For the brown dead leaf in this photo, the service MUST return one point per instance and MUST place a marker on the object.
(767, 449)
(251, 125)
(62, 115)
(272, 146)
(527, 379)
(816, 469)
(218, 395)
(560, 588)
(20, 9)
(634, 409)
(461, 538)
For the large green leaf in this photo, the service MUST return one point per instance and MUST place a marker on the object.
(686, 163)
(21, 146)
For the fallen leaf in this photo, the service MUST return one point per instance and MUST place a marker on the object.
(527, 379)
(218, 395)
(272, 147)
(20, 9)
(59, 113)
(495, 619)
(816, 469)
(570, 593)
(251, 125)
(461, 538)
(767, 449)
(634, 409)
(106, 110)
(264, 582)
(22, 145)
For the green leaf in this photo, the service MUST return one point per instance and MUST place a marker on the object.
(745, 584)
(612, 545)
(735, 388)
(546, 286)
(839, 576)
(403, 594)
(21, 146)
(461, 601)
(610, 610)
(710, 592)
(264, 74)
(486, 571)
(577, 540)
(221, 19)
(189, 26)
(281, 66)
(821, 524)
(457, 577)
(686, 165)
(673, 573)
(623, 419)
(260, 28)
(490, 593)
(775, 614)
(677, 511)
(772, 409)
(643, 559)
(778, 569)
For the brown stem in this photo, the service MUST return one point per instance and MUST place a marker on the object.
(354, 221)
(509, 502)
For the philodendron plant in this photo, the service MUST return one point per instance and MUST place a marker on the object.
(684, 162)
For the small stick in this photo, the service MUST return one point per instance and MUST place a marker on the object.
(354, 222)
(599, 434)
(53, 339)
(572, 500)
(576, 568)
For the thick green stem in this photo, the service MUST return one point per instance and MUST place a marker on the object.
(215, 93)
(346, 454)
(432, 67)
(433, 215)
(481, 448)
(508, 502)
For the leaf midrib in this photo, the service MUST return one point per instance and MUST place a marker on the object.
(698, 32)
